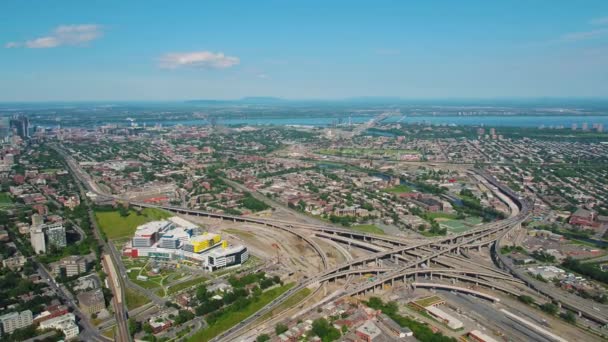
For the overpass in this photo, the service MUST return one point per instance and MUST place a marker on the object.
(454, 243)
(437, 247)
(573, 303)
(457, 289)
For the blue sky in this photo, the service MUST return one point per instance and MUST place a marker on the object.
(173, 50)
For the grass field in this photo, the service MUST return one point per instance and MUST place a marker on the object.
(110, 333)
(368, 228)
(427, 301)
(459, 226)
(186, 284)
(152, 282)
(399, 189)
(134, 299)
(239, 233)
(289, 303)
(230, 319)
(116, 226)
(434, 215)
(5, 198)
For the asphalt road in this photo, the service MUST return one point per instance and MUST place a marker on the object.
(488, 315)
(87, 331)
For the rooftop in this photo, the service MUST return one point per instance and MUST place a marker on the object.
(150, 228)
(218, 252)
(370, 329)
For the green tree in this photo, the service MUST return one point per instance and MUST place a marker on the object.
(569, 317)
(280, 328)
(262, 338)
(549, 308)
(202, 294)
(526, 299)
(322, 328)
(134, 326)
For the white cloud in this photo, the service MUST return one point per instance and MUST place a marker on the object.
(198, 59)
(599, 21)
(11, 45)
(262, 76)
(577, 36)
(62, 35)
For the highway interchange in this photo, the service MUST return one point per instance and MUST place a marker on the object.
(391, 260)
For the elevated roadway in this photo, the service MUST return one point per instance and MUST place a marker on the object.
(439, 247)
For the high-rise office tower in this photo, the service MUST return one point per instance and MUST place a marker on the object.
(55, 234)
(21, 125)
(37, 240)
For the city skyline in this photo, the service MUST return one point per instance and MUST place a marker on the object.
(86, 52)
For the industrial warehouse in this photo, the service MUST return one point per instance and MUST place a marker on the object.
(178, 239)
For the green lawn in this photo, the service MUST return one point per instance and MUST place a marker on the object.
(5, 198)
(368, 228)
(134, 299)
(116, 226)
(399, 189)
(239, 233)
(230, 319)
(424, 302)
(288, 304)
(459, 226)
(186, 284)
(434, 215)
(151, 284)
(110, 333)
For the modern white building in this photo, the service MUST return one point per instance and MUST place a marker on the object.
(147, 234)
(66, 323)
(178, 239)
(174, 238)
(227, 256)
(15, 320)
(37, 240)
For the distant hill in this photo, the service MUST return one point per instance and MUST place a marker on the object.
(262, 99)
(250, 100)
